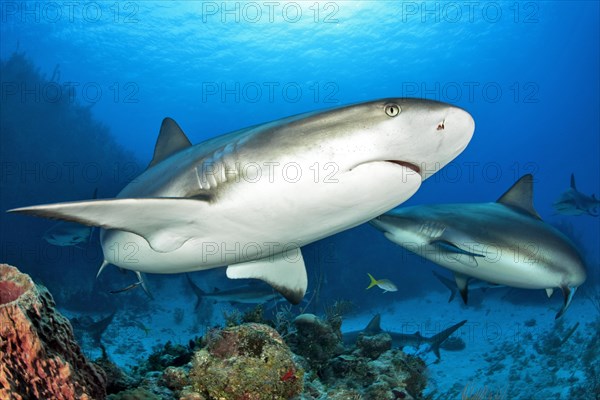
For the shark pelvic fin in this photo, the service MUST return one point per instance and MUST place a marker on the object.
(197, 291)
(171, 140)
(462, 282)
(143, 284)
(549, 292)
(285, 272)
(568, 293)
(448, 283)
(165, 223)
(520, 196)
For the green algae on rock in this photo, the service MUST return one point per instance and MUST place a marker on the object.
(250, 361)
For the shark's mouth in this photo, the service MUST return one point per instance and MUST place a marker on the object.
(406, 164)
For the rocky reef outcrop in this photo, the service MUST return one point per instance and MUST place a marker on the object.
(39, 358)
(250, 362)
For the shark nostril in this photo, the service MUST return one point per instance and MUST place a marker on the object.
(441, 126)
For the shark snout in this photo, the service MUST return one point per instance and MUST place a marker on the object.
(449, 131)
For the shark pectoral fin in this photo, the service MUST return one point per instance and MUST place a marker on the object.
(457, 254)
(568, 293)
(463, 287)
(165, 223)
(285, 272)
(549, 292)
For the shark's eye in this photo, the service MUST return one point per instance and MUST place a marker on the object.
(392, 110)
(441, 126)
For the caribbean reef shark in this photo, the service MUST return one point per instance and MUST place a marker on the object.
(504, 243)
(401, 340)
(250, 199)
(248, 294)
(573, 202)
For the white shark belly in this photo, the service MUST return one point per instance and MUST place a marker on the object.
(503, 267)
(253, 220)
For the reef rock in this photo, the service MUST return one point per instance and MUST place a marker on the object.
(39, 358)
(316, 340)
(250, 362)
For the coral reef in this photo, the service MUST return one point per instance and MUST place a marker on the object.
(317, 341)
(372, 370)
(39, 356)
(250, 361)
(169, 355)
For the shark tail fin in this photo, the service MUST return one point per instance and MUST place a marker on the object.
(436, 340)
(373, 282)
(573, 186)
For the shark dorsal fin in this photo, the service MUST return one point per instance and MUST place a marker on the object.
(171, 140)
(573, 182)
(520, 195)
(374, 326)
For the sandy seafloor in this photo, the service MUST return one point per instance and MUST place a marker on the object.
(501, 338)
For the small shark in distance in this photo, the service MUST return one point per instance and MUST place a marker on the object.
(66, 233)
(573, 202)
(401, 340)
(505, 242)
(250, 200)
(248, 294)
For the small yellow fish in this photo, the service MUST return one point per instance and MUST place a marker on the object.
(385, 284)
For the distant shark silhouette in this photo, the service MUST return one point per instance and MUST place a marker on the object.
(247, 294)
(402, 339)
(573, 202)
(65, 233)
(94, 329)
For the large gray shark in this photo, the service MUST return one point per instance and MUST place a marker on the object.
(251, 198)
(573, 202)
(504, 243)
(401, 340)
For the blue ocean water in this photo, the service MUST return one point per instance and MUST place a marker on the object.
(526, 71)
